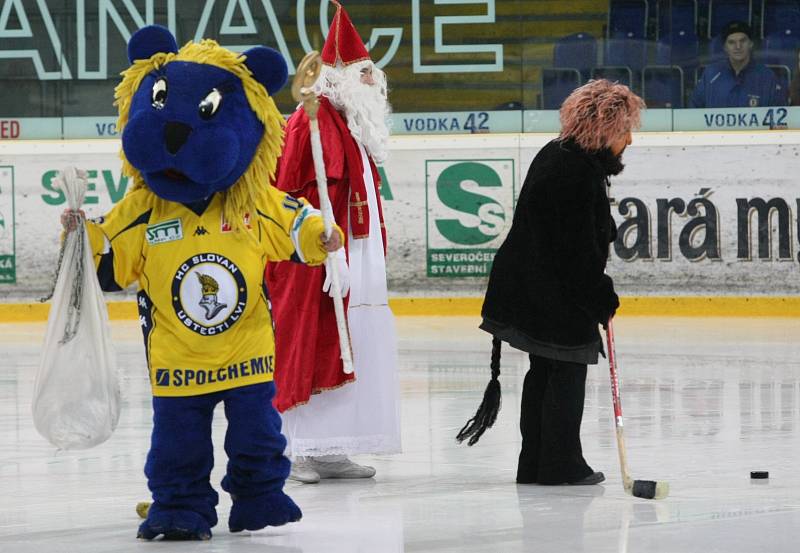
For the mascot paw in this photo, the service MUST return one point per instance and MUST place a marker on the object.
(255, 513)
(175, 525)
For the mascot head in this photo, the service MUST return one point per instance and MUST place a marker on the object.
(200, 120)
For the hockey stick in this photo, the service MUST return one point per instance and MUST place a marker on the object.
(304, 79)
(646, 489)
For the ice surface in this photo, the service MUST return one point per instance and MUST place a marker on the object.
(705, 402)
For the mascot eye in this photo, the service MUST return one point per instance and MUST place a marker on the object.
(210, 104)
(160, 93)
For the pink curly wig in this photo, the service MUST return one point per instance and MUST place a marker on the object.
(598, 113)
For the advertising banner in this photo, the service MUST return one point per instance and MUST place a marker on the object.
(698, 214)
(465, 214)
(454, 122)
(8, 272)
(710, 218)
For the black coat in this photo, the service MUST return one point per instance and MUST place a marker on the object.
(548, 281)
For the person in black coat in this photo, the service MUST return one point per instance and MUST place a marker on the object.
(548, 290)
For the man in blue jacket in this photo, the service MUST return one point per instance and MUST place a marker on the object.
(738, 81)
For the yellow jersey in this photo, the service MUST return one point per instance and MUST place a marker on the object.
(203, 305)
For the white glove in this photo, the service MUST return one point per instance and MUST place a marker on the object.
(340, 258)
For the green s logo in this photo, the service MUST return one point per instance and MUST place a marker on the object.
(489, 214)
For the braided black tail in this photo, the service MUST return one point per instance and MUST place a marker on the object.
(490, 406)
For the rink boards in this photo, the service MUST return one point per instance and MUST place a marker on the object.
(709, 221)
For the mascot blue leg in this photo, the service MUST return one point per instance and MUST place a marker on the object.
(178, 469)
(257, 468)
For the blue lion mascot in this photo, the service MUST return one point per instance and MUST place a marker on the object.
(200, 139)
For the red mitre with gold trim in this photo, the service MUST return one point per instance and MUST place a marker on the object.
(343, 43)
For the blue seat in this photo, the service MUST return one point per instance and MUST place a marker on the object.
(678, 43)
(663, 86)
(627, 19)
(628, 52)
(716, 50)
(623, 60)
(677, 17)
(682, 51)
(780, 49)
(578, 51)
(722, 12)
(615, 74)
(557, 84)
(784, 76)
(780, 17)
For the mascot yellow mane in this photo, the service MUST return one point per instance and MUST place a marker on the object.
(239, 199)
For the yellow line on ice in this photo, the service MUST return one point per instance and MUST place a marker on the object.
(666, 306)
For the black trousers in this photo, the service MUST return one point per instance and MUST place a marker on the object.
(550, 422)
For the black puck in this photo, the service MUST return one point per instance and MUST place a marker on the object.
(759, 474)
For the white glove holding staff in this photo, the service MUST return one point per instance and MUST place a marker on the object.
(340, 258)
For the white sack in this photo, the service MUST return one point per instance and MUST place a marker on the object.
(76, 399)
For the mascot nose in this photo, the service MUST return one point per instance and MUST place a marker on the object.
(175, 135)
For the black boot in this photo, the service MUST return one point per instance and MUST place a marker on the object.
(594, 478)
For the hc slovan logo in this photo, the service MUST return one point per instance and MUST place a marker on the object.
(209, 301)
(167, 231)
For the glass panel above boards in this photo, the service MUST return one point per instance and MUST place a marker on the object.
(482, 66)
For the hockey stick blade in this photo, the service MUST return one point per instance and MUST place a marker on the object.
(649, 489)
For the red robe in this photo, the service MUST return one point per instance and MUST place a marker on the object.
(308, 359)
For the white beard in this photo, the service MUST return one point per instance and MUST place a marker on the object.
(366, 107)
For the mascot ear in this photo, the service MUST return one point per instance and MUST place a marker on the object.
(149, 40)
(268, 67)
